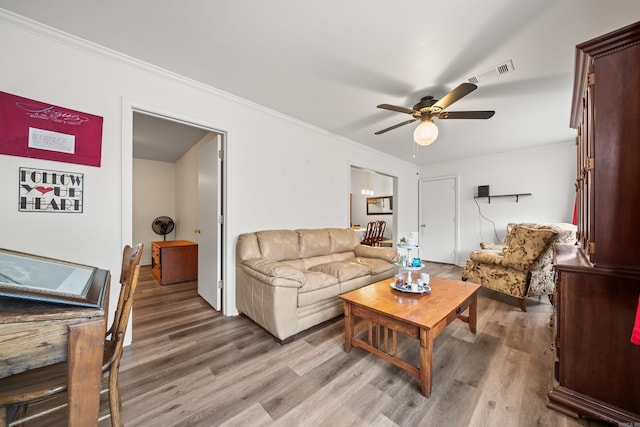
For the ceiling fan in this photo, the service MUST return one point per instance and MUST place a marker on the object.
(428, 108)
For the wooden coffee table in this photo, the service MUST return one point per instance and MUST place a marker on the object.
(423, 317)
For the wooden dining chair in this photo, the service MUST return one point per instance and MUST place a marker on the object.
(369, 234)
(22, 389)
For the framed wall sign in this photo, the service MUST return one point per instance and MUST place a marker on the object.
(50, 191)
(30, 128)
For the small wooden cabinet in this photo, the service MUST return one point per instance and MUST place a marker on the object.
(174, 261)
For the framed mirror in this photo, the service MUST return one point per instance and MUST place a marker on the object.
(380, 205)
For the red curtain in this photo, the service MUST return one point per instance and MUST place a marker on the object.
(635, 335)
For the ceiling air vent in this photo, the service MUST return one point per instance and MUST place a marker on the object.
(501, 69)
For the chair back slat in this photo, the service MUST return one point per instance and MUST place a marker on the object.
(380, 234)
(130, 259)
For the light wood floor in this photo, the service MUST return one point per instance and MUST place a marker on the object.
(191, 366)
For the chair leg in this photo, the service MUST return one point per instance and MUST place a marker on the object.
(114, 396)
(521, 304)
(3, 416)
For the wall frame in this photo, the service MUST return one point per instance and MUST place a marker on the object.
(380, 205)
(39, 130)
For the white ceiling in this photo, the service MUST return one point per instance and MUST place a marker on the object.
(330, 63)
(159, 139)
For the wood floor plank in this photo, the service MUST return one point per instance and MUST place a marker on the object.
(254, 416)
(189, 365)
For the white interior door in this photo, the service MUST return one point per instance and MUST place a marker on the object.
(438, 219)
(209, 210)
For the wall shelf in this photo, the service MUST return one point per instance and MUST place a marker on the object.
(517, 196)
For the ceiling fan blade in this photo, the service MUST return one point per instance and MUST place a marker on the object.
(396, 108)
(462, 90)
(466, 114)
(395, 126)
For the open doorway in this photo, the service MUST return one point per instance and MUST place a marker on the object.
(177, 170)
(372, 198)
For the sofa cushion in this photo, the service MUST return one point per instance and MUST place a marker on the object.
(526, 245)
(275, 269)
(317, 287)
(387, 254)
(314, 243)
(343, 240)
(278, 245)
(315, 280)
(247, 247)
(323, 259)
(342, 270)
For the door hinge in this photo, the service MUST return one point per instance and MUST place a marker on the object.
(590, 163)
(221, 154)
(220, 219)
(220, 284)
(591, 248)
(591, 79)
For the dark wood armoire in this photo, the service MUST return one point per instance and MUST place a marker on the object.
(597, 368)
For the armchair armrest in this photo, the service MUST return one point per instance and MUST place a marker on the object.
(490, 258)
(493, 246)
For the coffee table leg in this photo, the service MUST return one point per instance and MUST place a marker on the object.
(473, 313)
(426, 359)
(348, 327)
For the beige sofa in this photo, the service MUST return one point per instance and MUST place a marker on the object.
(290, 280)
(523, 265)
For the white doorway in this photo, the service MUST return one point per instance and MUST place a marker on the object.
(439, 219)
(210, 222)
(365, 184)
(208, 234)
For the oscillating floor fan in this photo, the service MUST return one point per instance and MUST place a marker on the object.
(162, 225)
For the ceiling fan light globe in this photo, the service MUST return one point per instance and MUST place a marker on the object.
(425, 133)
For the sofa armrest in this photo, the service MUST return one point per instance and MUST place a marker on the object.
(384, 253)
(267, 270)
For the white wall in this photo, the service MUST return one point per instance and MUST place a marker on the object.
(154, 196)
(548, 173)
(299, 172)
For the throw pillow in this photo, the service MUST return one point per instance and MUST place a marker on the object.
(526, 245)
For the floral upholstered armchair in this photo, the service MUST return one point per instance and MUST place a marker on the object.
(523, 265)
